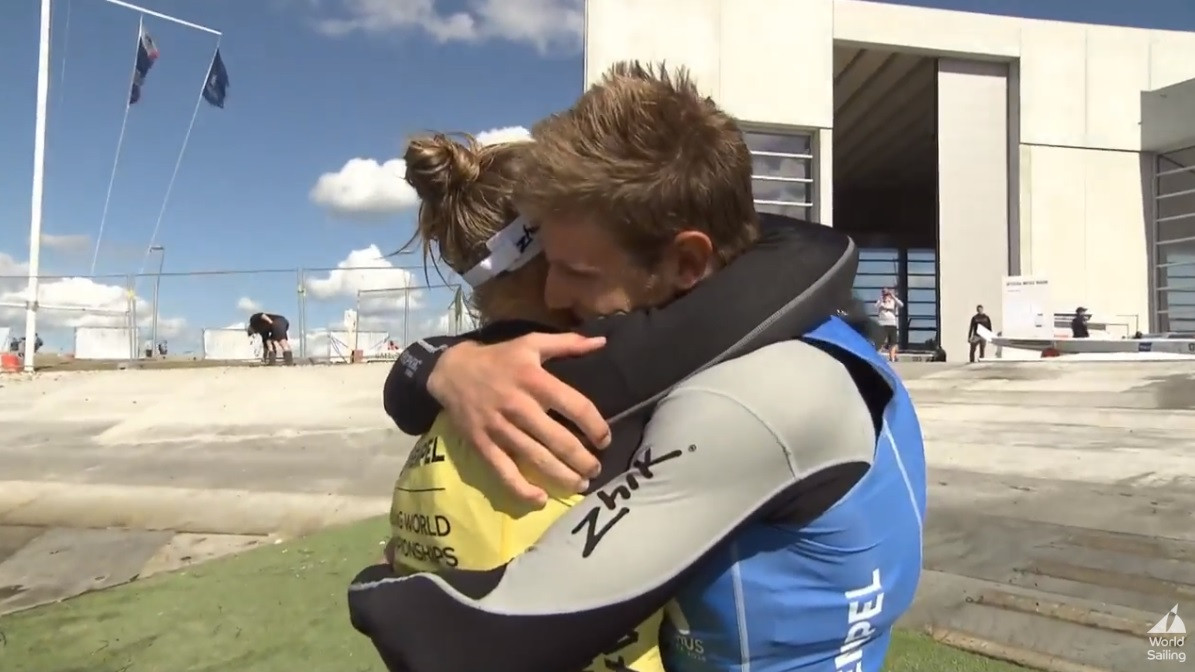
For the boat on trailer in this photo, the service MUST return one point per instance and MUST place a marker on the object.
(1145, 346)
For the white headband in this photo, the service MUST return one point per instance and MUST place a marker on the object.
(510, 249)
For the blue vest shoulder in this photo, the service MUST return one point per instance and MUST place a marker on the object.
(821, 596)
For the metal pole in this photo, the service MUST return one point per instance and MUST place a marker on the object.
(39, 176)
(131, 293)
(458, 311)
(157, 291)
(406, 314)
(355, 328)
(301, 276)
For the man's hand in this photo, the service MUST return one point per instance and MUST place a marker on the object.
(499, 397)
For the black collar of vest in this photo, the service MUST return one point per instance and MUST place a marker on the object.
(796, 277)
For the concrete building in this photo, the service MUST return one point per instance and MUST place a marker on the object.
(957, 148)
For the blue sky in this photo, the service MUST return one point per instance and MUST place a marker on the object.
(315, 83)
(301, 103)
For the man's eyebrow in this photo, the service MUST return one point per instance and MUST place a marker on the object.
(575, 268)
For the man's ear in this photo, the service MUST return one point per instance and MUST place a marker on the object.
(693, 258)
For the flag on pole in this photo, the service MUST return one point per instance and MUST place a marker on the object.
(216, 88)
(147, 53)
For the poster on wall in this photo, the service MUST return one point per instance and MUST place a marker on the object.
(1026, 307)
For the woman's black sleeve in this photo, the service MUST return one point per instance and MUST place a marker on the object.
(405, 396)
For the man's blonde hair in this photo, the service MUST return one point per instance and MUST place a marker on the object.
(644, 153)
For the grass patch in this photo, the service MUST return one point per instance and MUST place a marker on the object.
(275, 609)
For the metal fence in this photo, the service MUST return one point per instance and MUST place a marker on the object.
(202, 314)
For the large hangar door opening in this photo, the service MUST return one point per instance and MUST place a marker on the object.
(886, 179)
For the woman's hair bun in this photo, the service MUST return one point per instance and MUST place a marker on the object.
(439, 167)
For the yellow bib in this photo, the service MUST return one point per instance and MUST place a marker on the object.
(450, 510)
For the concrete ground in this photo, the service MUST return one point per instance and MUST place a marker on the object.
(1061, 494)
(1061, 523)
(187, 464)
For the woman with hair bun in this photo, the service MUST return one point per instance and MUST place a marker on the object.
(458, 527)
(465, 192)
(450, 511)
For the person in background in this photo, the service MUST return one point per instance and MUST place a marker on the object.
(1079, 323)
(979, 319)
(887, 312)
(17, 345)
(939, 352)
(272, 328)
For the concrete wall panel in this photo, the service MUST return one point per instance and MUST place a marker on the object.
(972, 193)
(1117, 73)
(931, 31)
(1053, 84)
(679, 32)
(1085, 214)
(774, 73)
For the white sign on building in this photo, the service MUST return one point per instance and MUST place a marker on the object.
(1026, 307)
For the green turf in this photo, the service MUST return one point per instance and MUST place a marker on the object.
(274, 609)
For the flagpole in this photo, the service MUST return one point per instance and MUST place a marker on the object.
(178, 162)
(39, 175)
(124, 122)
(37, 190)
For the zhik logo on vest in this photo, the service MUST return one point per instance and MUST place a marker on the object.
(1166, 638)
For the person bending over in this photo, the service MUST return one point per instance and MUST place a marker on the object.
(272, 328)
(777, 495)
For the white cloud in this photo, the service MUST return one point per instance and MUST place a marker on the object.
(364, 187)
(546, 25)
(387, 298)
(369, 188)
(248, 305)
(366, 275)
(66, 242)
(496, 136)
(74, 302)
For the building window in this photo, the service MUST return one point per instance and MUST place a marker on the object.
(920, 289)
(1174, 241)
(913, 273)
(782, 175)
